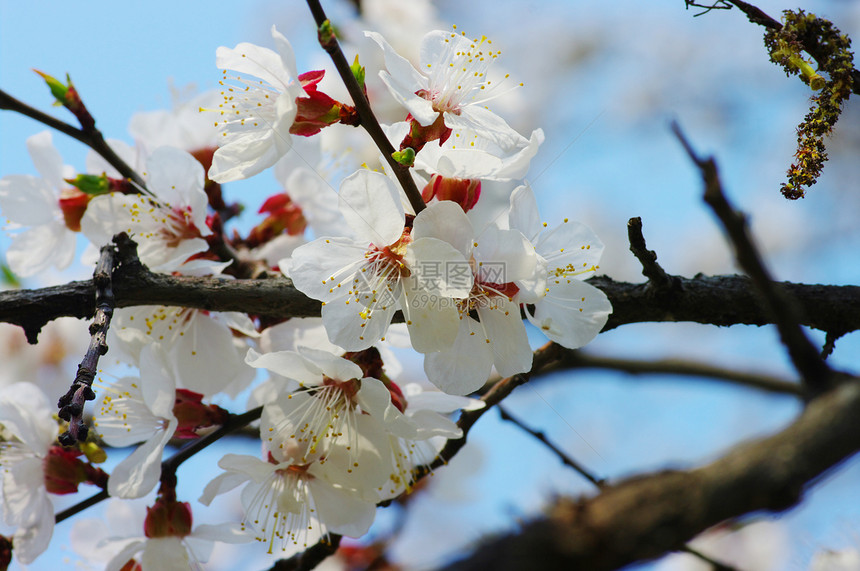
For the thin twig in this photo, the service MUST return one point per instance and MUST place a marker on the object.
(93, 139)
(830, 343)
(492, 397)
(756, 16)
(71, 404)
(170, 465)
(810, 42)
(718, 5)
(577, 359)
(362, 106)
(565, 459)
(658, 279)
(816, 374)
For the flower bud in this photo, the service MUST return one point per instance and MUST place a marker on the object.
(73, 204)
(167, 518)
(5, 552)
(193, 415)
(315, 111)
(64, 471)
(67, 96)
(463, 191)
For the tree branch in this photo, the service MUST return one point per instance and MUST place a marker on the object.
(810, 42)
(236, 422)
(645, 516)
(93, 139)
(362, 106)
(541, 437)
(577, 359)
(814, 371)
(715, 300)
(71, 404)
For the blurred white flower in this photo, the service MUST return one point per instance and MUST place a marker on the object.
(34, 203)
(28, 431)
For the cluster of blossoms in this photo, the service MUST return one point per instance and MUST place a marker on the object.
(338, 434)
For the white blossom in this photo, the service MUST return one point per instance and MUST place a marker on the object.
(566, 309)
(362, 281)
(32, 204)
(451, 80)
(135, 410)
(258, 108)
(28, 432)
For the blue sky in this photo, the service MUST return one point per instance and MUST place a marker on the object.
(603, 80)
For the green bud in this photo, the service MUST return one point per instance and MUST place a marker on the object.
(358, 72)
(405, 157)
(91, 184)
(58, 90)
(8, 277)
(325, 33)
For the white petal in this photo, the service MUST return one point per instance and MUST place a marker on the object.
(375, 399)
(46, 158)
(465, 367)
(403, 80)
(288, 364)
(572, 313)
(331, 365)
(165, 554)
(205, 358)
(485, 123)
(571, 245)
(223, 532)
(37, 249)
(319, 267)
(439, 268)
(340, 512)
(434, 424)
(436, 401)
(28, 200)
(157, 385)
(25, 412)
(371, 205)
(288, 57)
(353, 326)
(446, 221)
(258, 61)
(421, 109)
(32, 541)
(524, 212)
(433, 320)
(508, 340)
(221, 484)
(251, 466)
(176, 178)
(123, 418)
(248, 153)
(138, 474)
(24, 495)
(504, 256)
